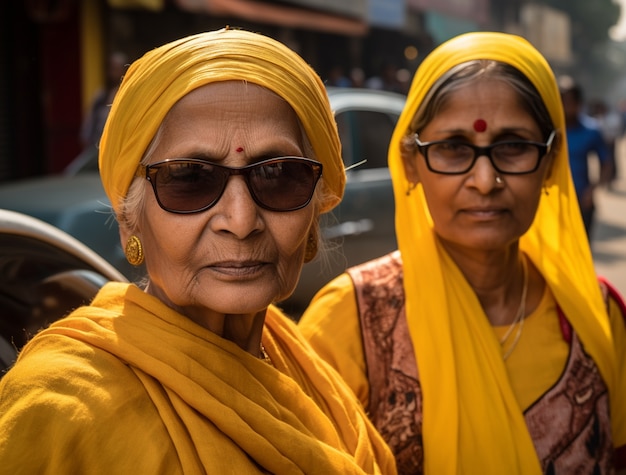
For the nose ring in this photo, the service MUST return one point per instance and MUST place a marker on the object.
(498, 180)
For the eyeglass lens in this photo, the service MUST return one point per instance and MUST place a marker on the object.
(507, 157)
(191, 185)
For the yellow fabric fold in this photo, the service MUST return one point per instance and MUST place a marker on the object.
(155, 82)
(471, 417)
(130, 370)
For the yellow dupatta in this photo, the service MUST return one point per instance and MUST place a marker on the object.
(471, 418)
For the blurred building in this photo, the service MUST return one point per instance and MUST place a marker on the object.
(54, 51)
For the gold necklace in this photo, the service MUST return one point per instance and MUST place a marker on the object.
(518, 321)
(264, 356)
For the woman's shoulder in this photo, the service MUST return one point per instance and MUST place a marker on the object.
(57, 393)
(57, 364)
(335, 298)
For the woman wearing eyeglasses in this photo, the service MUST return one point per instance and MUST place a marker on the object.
(486, 343)
(218, 156)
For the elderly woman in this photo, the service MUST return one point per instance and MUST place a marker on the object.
(218, 156)
(485, 344)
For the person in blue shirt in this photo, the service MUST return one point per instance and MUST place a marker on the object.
(584, 142)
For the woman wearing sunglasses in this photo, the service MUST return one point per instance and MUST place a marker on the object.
(485, 344)
(218, 156)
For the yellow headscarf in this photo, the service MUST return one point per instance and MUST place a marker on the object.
(471, 417)
(154, 83)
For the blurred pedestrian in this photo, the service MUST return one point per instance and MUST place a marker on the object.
(611, 125)
(357, 76)
(584, 143)
(336, 77)
(387, 79)
(93, 123)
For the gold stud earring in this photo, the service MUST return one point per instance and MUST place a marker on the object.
(134, 251)
(311, 247)
(410, 188)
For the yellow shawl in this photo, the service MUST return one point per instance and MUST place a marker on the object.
(471, 417)
(127, 385)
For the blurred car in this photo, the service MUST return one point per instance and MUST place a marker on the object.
(360, 228)
(44, 274)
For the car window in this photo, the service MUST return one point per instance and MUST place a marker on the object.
(365, 135)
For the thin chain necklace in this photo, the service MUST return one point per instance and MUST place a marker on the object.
(518, 322)
(265, 357)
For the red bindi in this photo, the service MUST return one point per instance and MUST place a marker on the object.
(480, 125)
(239, 149)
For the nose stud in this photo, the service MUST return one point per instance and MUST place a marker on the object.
(498, 180)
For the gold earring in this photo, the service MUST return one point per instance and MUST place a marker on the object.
(410, 188)
(311, 247)
(134, 251)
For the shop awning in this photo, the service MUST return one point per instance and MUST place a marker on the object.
(274, 14)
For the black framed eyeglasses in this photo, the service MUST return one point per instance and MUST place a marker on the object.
(515, 157)
(190, 185)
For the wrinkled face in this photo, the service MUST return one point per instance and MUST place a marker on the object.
(236, 257)
(473, 211)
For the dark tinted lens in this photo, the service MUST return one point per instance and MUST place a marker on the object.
(189, 186)
(283, 185)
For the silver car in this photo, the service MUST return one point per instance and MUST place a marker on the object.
(44, 274)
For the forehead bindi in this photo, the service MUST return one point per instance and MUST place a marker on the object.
(480, 125)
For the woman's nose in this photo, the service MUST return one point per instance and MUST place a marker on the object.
(483, 174)
(236, 212)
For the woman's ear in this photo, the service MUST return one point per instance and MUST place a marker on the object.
(553, 154)
(125, 235)
(552, 158)
(409, 161)
(312, 243)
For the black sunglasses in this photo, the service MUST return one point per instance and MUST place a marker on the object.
(190, 185)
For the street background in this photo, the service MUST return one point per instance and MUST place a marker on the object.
(55, 54)
(608, 242)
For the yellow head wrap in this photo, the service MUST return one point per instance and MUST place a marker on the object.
(154, 83)
(471, 417)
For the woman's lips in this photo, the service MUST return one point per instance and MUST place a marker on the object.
(238, 268)
(484, 212)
